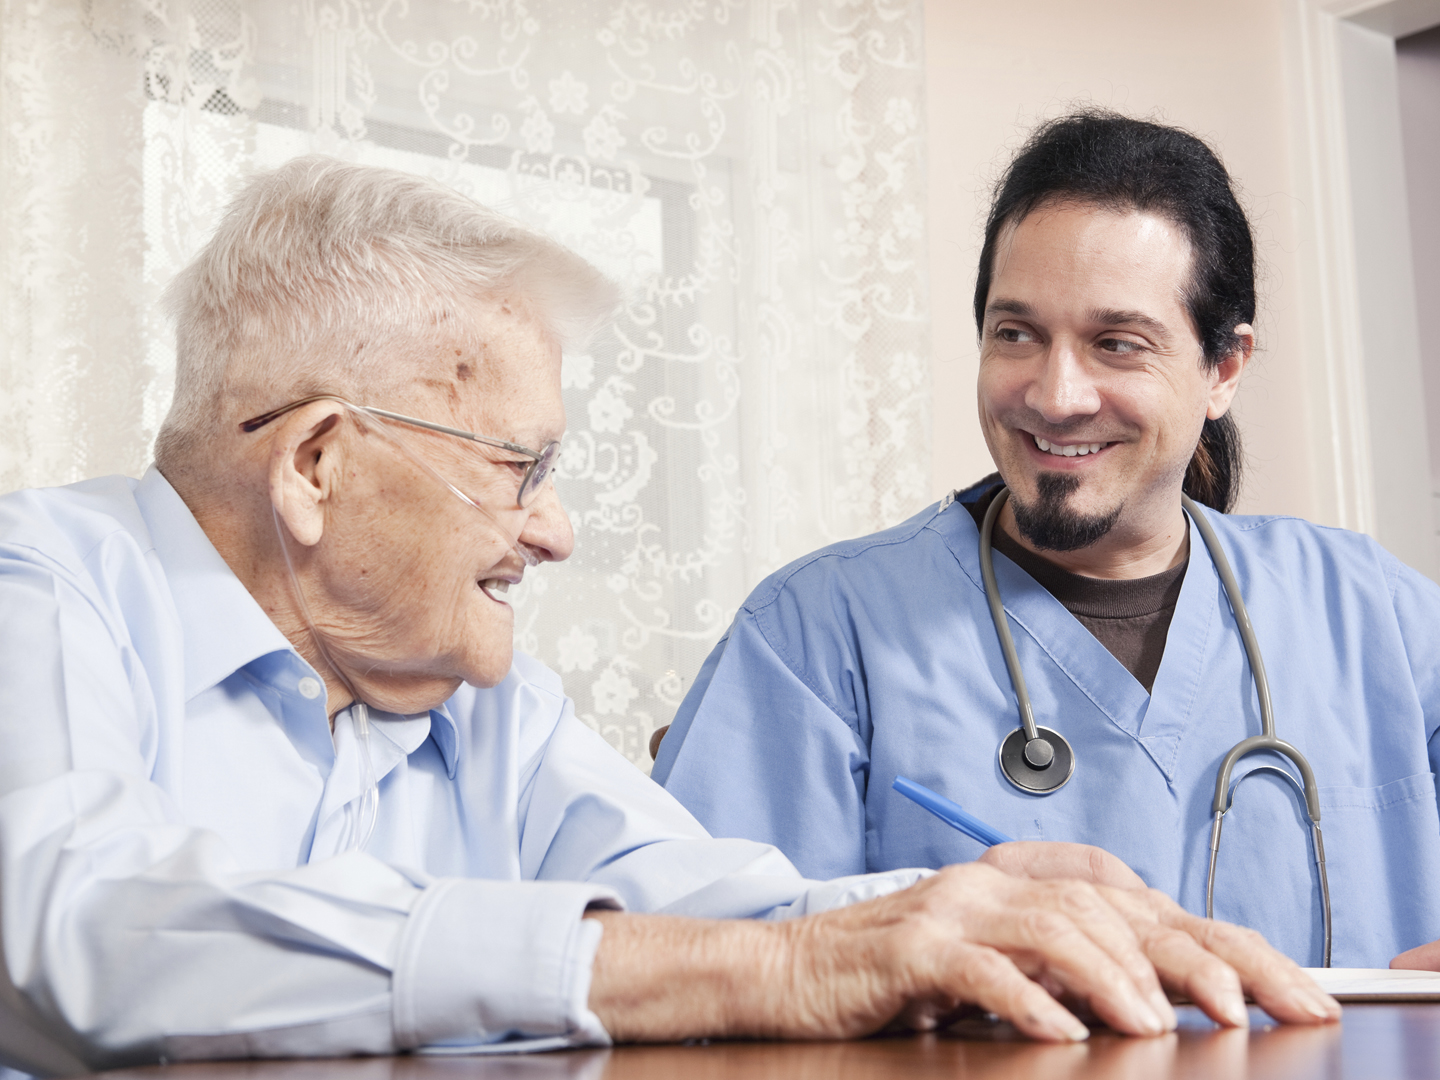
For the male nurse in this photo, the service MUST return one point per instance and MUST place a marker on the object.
(1115, 305)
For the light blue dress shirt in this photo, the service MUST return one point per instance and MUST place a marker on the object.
(877, 657)
(175, 818)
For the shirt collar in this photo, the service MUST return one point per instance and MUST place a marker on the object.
(408, 733)
(224, 628)
(446, 737)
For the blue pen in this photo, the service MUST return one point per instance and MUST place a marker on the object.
(950, 813)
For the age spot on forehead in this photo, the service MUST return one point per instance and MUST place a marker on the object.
(463, 371)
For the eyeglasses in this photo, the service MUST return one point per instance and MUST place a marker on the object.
(536, 472)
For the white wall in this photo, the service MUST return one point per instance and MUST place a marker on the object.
(1216, 67)
(1389, 340)
(1419, 78)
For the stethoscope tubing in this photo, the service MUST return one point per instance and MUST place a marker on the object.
(997, 614)
(1266, 740)
(1224, 789)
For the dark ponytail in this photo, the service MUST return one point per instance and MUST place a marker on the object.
(1213, 475)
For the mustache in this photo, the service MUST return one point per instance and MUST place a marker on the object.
(1081, 429)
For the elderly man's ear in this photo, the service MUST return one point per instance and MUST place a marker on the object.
(305, 463)
(1228, 371)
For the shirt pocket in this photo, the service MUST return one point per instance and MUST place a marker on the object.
(1382, 856)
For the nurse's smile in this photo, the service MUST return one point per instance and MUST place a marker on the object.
(1069, 450)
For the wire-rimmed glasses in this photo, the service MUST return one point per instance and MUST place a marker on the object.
(542, 462)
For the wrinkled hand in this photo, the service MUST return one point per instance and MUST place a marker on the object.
(970, 935)
(1049, 859)
(1004, 942)
(1203, 982)
(1420, 958)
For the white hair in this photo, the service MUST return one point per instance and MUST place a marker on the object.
(321, 270)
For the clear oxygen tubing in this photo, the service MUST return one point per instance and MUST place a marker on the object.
(367, 813)
(364, 817)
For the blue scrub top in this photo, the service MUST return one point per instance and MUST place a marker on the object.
(877, 657)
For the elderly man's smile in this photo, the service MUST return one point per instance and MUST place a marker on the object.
(491, 586)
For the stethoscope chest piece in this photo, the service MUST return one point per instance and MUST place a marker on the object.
(1036, 760)
(1039, 765)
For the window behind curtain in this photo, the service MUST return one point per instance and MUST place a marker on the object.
(750, 172)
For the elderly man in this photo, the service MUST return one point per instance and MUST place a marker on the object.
(1115, 306)
(273, 782)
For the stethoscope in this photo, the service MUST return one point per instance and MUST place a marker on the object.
(1039, 761)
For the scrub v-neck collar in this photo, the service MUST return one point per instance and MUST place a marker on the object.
(1158, 720)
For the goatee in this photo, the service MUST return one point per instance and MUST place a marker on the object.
(1049, 523)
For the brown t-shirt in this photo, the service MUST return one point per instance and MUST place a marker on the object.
(1130, 617)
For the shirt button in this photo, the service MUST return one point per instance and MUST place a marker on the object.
(309, 687)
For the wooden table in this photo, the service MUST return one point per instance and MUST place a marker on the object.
(1373, 1042)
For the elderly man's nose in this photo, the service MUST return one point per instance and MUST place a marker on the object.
(1062, 388)
(547, 531)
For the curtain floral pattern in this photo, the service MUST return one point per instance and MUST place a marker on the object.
(749, 170)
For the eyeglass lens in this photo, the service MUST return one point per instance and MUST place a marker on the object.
(538, 473)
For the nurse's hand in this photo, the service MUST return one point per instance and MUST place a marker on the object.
(1420, 958)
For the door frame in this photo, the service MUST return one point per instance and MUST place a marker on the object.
(1364, 387)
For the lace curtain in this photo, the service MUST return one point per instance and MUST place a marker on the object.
(750, 171)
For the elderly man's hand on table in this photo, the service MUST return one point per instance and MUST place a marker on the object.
(971, 934)
(1198, 957)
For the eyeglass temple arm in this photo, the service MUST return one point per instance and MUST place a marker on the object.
(256, 423)
(486, 439)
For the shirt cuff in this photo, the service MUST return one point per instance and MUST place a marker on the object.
(499, 965)
(842, 892)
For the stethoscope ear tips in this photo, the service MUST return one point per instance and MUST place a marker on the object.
(1039, 765)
